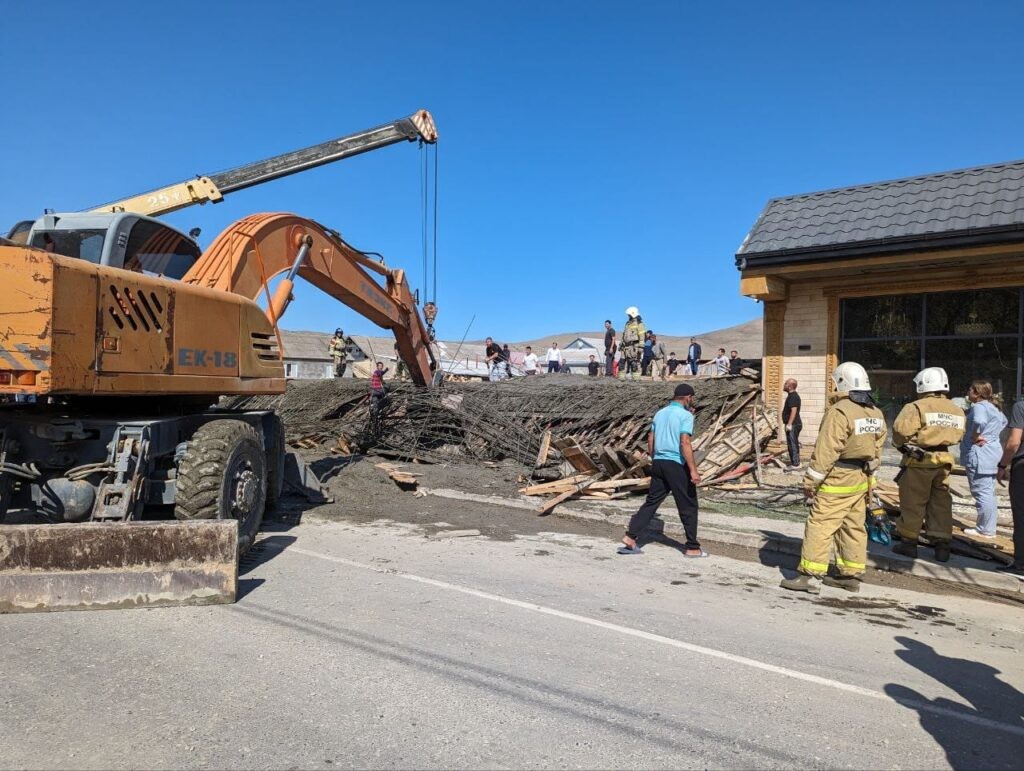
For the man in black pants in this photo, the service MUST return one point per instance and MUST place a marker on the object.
(1012, 466)
(610, 347)
(673, 470)
(792, 422)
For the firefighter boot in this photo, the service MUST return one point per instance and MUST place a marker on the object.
(906, 548)
(941, 551)
(802, 583)
(846, 583)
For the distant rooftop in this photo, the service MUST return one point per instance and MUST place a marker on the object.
(984, 204)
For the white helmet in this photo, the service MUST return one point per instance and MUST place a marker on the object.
(632, 311)
(850, 376)
(931, 379)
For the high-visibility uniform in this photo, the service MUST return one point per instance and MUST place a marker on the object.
(848, 449)
(932, 423)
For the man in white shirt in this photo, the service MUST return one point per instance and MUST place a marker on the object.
(555, 359)
(530, 362)
(721, 363)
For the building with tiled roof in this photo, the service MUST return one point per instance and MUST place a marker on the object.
(897, 275)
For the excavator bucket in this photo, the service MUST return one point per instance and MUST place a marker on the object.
(125, 565)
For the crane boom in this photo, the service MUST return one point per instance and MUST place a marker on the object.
(213, 188)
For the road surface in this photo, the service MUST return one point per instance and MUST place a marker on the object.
(413, 645)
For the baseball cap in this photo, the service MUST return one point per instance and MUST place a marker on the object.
(683, 389)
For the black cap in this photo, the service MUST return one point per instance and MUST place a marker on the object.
(683, 389)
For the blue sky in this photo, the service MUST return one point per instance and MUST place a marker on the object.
(593, 155)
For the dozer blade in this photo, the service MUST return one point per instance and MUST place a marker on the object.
(95, 566)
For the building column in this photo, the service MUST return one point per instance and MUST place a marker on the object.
(774, 337)
(831, 341)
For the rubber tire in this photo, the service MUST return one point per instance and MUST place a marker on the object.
(204, 489)
(274, 437)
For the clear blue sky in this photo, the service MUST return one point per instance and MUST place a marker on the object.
(593, 155)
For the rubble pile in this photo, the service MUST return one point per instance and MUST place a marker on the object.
(598, 427)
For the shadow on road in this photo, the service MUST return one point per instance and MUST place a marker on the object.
(979, 742)
(264, 550)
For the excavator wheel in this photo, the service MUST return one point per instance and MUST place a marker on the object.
(223, 475)
(274, 440)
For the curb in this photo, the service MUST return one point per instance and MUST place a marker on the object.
(979, 577)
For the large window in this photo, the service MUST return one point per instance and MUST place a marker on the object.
(158, 250)
(974, 334)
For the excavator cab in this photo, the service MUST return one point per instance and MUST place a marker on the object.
(117, 240)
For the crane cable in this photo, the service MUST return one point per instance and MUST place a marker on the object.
(429, 246)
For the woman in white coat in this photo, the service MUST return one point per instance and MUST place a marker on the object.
(980, 451)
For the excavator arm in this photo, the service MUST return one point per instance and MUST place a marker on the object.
(246, 257)
(213, 188)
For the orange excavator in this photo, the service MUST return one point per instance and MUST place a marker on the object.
(121, 484)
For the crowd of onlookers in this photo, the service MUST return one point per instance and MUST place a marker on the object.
(655, 361)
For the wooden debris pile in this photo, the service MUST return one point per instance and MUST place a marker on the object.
(488, 421)
(728, 449)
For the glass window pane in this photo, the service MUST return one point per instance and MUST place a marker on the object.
(895, 316)
(158, 250)
(891, 365)
(973, 313)
(983, 358)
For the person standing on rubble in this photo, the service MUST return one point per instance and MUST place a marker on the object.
(555, 359)
(658, 357)
(673, 470)
(693, 355)
(632, 342)
(846, 455)
(378, 392)
(530, 362)
(923, 432)
(338, 351)
(495, 361)
(611, 345)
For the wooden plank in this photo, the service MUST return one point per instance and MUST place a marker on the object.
(573, 452)
(559, 485)
(614, 484)
(545, 447)
(551, 504)
(610, 458)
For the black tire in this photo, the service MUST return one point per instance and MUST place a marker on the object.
(274, 440)
(223, 475)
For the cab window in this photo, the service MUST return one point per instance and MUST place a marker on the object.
(158, 250)
(82, 244)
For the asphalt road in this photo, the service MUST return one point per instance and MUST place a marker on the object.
(384, 645)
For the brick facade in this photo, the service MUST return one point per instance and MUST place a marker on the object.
(805, 354)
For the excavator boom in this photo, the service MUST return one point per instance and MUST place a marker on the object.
(212, 188)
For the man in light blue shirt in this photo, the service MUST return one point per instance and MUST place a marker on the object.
(673, 470)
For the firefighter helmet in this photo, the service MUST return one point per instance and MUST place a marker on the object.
(931, 379)
(850, 376)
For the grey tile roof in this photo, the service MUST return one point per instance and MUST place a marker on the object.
(977, 201)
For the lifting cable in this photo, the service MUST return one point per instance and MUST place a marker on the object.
(428, 244)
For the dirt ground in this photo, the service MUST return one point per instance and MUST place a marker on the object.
(364, 493)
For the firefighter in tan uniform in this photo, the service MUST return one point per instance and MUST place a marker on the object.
(632, 343)
(846, 454)
(923, 432)
(337, 348)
